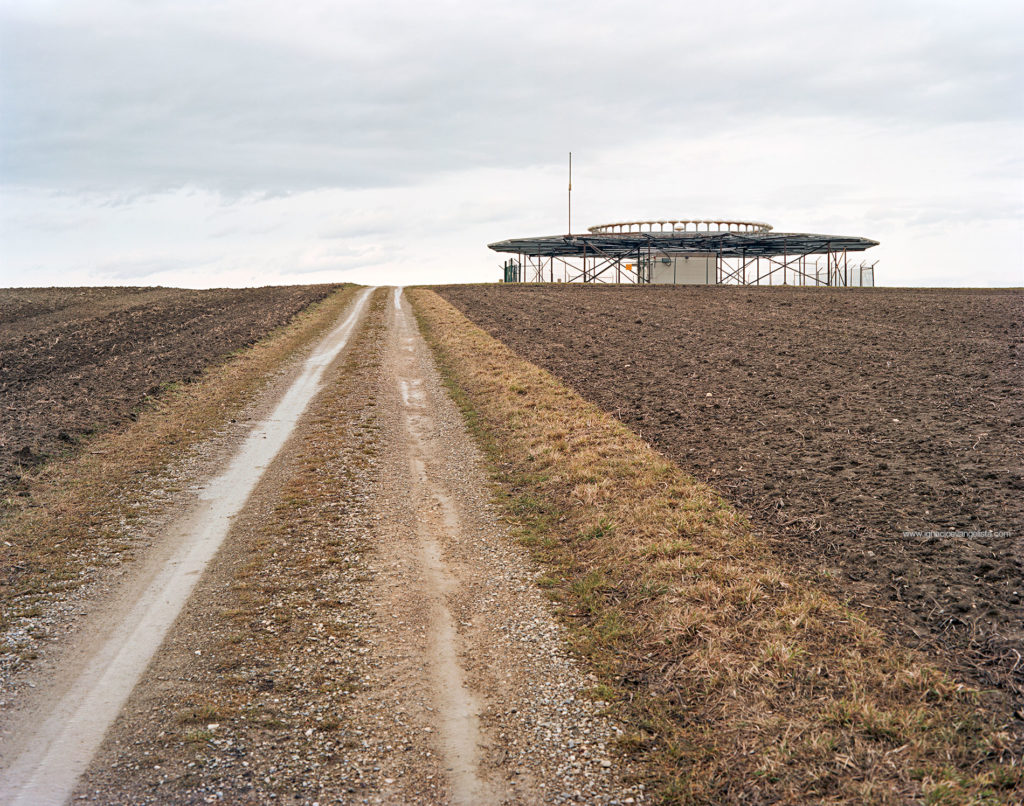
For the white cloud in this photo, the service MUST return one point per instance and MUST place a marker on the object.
(240, 142)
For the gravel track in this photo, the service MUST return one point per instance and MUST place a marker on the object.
(368, 633)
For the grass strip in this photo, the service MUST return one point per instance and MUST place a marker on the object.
(740, 683)
(74, 516)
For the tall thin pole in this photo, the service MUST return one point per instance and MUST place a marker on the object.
(570, 193)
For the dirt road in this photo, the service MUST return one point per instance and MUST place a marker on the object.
(365, 634)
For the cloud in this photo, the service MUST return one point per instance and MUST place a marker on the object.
(240, 142)
(136, 269)
(243, 97)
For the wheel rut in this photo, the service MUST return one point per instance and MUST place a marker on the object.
(458, 708)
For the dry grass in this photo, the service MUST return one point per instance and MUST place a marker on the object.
(77, 513)
(740, 683)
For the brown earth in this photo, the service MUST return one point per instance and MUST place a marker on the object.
(77, 360)
(874, 436)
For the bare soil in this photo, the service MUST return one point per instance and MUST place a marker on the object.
(74, 361)
(875, 437)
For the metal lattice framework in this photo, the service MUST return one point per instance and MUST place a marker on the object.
(745, 253)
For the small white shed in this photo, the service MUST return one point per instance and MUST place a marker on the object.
(691, 269)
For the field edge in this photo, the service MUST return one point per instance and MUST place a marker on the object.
(76, 516)
(736, 679)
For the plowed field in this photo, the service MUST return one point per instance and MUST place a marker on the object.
(77, 360)
(874, 436)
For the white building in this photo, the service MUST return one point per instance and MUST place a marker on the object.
(690, 269)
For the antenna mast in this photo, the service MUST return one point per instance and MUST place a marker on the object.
(570, 193)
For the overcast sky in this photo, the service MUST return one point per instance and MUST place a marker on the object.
(246, 142)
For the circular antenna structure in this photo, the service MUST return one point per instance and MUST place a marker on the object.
(681, 225)
(688, 251)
